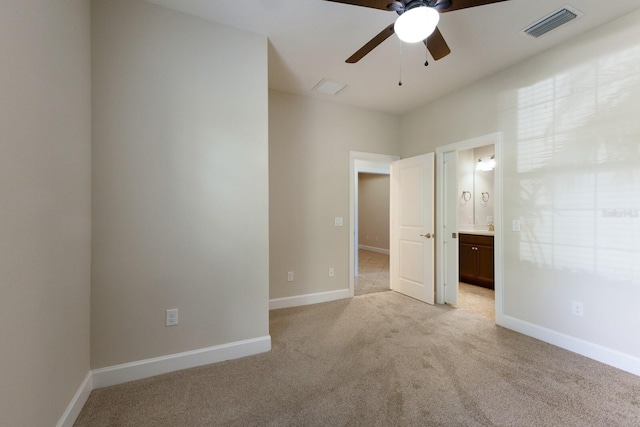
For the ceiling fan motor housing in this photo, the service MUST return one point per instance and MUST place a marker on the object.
(405, 5)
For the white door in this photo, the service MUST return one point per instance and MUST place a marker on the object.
(412, 227)
(450, 228)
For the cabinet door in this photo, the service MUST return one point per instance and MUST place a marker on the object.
(467, 262)
(485, 266)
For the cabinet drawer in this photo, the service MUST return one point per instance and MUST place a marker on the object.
(475, 239)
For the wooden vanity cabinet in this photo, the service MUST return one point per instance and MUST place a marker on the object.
(475, 256)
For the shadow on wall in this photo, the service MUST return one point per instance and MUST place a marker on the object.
(578, 165)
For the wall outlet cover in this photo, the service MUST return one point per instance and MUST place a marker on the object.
(171, 317)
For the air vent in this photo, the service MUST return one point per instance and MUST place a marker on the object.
(552, 21)
(329, 87)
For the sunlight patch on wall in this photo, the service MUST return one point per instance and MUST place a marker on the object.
(578, 160)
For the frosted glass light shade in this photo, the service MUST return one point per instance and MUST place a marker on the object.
(416, 24)
(486, 165)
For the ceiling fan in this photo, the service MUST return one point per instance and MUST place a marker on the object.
(417, 21)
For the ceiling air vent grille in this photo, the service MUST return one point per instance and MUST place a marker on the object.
(552, 21)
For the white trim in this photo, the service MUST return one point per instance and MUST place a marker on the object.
(126, 372)
(588, 349)
(498, 242)
(374, 249)
(75, 406)
(308, 299)
(366, 163)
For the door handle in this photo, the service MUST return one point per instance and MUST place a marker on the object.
(428, 235)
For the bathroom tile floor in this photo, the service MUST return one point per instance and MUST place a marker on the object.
(476, 299)
(374, 277)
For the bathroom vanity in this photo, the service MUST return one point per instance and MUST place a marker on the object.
(476, 262)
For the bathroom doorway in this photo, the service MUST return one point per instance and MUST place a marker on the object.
(469, 214)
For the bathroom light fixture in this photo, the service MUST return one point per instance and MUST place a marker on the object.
(486, 165)
(416, 24)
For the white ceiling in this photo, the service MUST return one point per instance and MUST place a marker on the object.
(310, 40)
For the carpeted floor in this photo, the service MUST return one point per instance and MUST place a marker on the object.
(381, 360)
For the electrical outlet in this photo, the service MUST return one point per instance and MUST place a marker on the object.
(172, 317)
(331, 272)
(515, 225)
(576, 308)
(290, 276)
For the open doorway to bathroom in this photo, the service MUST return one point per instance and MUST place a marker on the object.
(475, 169)
(469, 219)
(373, 234)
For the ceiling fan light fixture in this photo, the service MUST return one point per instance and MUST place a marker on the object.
(416, 24)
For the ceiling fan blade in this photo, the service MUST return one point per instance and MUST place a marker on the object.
(371, 44)
(464, 4)
(375, 4)
(436, 45)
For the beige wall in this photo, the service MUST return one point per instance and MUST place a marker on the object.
(309, 144)
(45, 205)
(373, 210)
(571, 168)
(180, 183)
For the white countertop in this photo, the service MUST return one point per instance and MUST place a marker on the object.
(477, 232)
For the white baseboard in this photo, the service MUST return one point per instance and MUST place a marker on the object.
(374, 249)
(79, 399)
(588, 349)
(126, 372)
(307, 299)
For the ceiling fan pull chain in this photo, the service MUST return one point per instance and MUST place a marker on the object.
(400, 80)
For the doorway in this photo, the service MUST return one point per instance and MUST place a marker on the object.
(373, 233)
(361, 162)
(467, 221)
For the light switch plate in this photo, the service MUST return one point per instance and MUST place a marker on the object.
(339, 221)
(515, 225)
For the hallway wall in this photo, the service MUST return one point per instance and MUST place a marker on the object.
(45, 199)
(373, 210)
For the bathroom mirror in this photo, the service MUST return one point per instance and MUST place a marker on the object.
(476, 188)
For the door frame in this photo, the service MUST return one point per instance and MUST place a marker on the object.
(495, 139)
(361, 162)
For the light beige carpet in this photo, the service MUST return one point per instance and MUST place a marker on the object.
(381, 360)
